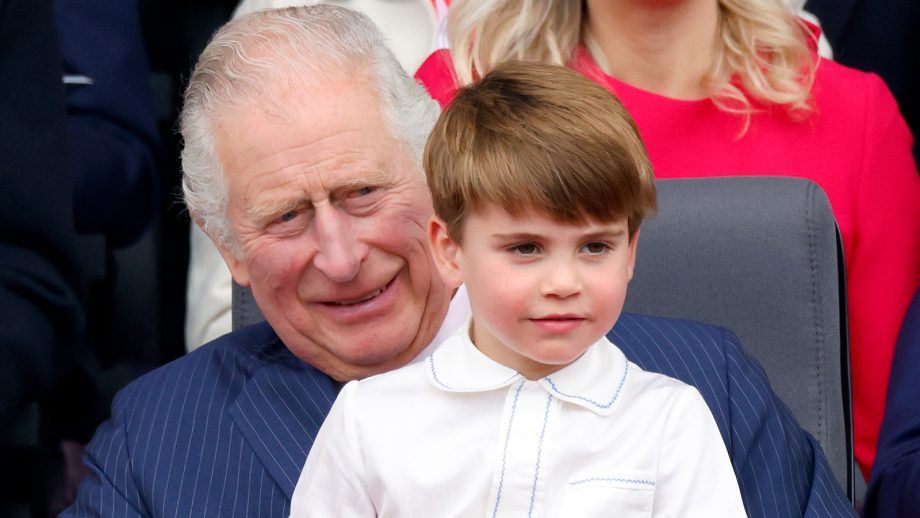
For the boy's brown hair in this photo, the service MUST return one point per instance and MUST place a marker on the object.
(531, 136)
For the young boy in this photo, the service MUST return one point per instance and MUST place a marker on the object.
(539, 181)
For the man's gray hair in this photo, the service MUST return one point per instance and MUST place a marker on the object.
(279, 47)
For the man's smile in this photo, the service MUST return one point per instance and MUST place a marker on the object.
(371, 295)
(362, 306)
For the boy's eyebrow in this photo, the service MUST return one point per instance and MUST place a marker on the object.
(605, 234)
(528, 236)
(517, 236)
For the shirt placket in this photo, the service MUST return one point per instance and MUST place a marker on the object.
(522, 463)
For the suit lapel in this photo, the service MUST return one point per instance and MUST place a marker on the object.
(279, 411)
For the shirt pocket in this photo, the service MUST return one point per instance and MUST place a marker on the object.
(603, 496)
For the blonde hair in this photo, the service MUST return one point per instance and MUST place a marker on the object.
(530, 136)
(762, 55)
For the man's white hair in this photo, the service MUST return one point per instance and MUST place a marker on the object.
(252, 57)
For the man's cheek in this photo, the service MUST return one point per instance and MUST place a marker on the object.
(275, 268)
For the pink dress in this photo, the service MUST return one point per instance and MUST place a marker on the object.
(857, 147)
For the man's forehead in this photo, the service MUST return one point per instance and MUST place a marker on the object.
(299, 116)
(284, 97)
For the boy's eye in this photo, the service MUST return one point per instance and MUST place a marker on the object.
(595, 248)
(525, 249)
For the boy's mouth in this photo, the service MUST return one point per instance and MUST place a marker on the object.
(554, 324)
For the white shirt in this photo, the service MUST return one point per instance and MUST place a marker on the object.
(461, 435)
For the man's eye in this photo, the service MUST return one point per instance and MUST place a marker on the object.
(595, 248)
(525, 249)
(363, 191)
(288, 216)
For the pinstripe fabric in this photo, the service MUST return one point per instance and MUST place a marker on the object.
(225, 430)
(780, 468)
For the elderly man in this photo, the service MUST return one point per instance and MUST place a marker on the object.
(302, 145)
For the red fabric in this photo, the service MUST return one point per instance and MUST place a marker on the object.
(857, 148)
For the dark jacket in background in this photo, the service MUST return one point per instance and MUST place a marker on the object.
(40, 318)
(894, 489)
(881, 36)
(111, 128)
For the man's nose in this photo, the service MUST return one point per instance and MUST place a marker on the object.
(339, 253)
(562, 279)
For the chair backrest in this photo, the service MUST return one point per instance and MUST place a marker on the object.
(761, 256)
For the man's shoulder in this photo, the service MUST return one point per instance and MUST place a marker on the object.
(237, 413)
(651, 336)
(217, 368)
(700, 355)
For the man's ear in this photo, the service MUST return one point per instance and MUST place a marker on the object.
(633, 243)
(445, 252)
(238, 268)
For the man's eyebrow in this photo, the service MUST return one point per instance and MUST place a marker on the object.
(371, 177)
(263, 212)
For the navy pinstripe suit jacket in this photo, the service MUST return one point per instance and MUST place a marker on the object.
(225, 430)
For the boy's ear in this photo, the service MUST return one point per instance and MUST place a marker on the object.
(445, 252)
(633, 242)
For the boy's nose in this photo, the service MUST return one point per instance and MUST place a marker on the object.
(562, 280)
(339, 252)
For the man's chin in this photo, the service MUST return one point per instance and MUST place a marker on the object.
(349, 363)
(371, 356)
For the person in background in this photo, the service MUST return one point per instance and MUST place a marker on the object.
(113, 151)
(878, 37)
(112, 138)
(734, 87)
(40, 280)
(539, 179)
(41, 283)
(894, 489)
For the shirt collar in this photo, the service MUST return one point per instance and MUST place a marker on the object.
(594, 381)
(458, 312)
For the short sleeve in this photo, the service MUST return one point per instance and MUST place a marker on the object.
(695, 476)
(331, 483)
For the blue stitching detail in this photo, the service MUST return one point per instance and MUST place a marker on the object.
(501, 480)
(435, 374)
(613, 479)
(437, 380)
(533, 492)
(595, 403)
